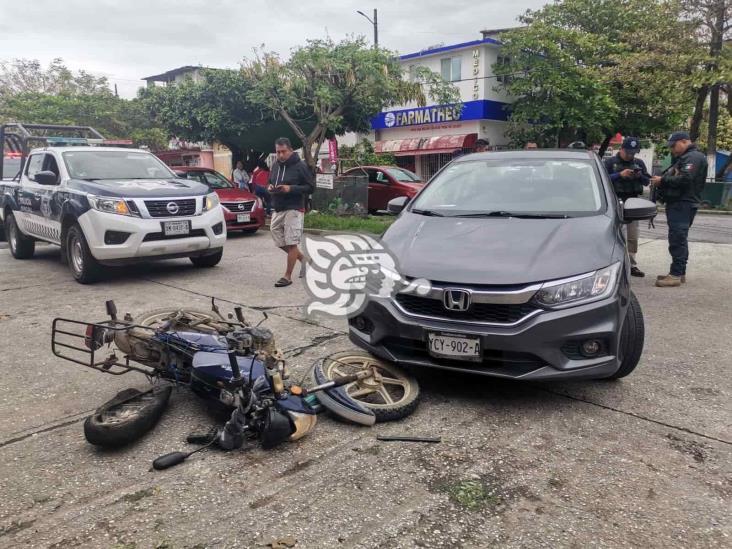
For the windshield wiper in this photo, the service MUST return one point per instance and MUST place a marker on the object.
(502, 213)
(427, 212)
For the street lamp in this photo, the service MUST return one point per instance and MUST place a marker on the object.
(375, 23)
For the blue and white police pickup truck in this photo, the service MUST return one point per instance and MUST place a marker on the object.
(108, 206)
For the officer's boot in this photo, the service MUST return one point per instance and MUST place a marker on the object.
(683, 278)
(669, 281)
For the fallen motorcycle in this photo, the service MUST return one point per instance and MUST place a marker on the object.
(228, 361)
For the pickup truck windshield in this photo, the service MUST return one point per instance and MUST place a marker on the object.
(524, 187)
(103, 164)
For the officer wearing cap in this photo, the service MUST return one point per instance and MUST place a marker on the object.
(629, 175)
(680, 189)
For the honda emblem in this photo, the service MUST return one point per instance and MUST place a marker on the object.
(456, 300)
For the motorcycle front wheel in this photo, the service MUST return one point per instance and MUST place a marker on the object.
(391, 394)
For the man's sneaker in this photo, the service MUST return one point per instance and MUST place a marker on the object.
(668, 281)
(635, 271)
(683, 278)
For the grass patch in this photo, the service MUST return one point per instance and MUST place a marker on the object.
(348, 223)
(472, 495)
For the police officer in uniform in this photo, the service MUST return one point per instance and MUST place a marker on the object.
(680, 189)
(629, 175)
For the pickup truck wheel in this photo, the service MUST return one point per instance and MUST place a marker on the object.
(83, 266)
(207, 260)
(21, 246)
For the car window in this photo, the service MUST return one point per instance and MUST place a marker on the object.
(107, 164)
(403, 175)
(49, 164)
(216, 181)
(35, 165)
(564, 187)
(11, 165)
(381, 177)
(196, 176)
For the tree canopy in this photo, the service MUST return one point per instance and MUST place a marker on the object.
(329, 87)
(590, 68)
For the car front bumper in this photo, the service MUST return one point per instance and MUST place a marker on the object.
(145, 236)
(256, 220)
(533, 349)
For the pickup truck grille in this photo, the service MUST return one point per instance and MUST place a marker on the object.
(239, 207)
(171, 208)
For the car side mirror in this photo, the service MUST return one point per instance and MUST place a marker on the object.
(46, 177)
(396, 205)
(638, 209)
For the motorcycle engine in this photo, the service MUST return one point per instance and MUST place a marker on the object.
(252, 340)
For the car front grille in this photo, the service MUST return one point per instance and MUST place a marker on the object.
(150, 237)
(497, 313)
(159, 208)
(239, 207)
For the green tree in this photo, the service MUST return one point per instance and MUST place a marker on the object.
(29, 76)
(362, 154)
(216, 108)
(590, 68)
(328, 88)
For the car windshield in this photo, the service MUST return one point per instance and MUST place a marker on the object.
(213, 180)
(401, 174)
(532, 187)
(115, 165)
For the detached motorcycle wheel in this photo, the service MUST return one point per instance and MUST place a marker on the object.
(393, 397)
(127, 417)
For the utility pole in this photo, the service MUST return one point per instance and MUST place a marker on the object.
(375, 23)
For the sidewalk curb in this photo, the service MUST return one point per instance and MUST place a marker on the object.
(705, 212)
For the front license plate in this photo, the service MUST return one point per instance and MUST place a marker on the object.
(457, 346)
(176, 227)
(243, 218)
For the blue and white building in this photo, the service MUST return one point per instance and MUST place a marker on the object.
(424, 138)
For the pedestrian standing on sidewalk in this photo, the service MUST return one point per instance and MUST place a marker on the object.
(629, 175)
(260, 180)
(290, 184)
(680, 189)
(240, 176)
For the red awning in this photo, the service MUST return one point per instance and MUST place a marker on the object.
(438, 144)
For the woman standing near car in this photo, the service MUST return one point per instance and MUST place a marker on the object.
(240, 176)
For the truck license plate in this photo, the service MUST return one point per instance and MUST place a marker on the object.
(457, 346)
(243, 218)
(176, 227)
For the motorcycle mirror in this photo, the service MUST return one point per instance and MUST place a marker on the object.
(111, 309)
(265, 315)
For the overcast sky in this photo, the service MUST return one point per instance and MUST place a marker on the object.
(127, 40)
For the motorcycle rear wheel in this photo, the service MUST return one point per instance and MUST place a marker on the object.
(394, 397)
(127, 417)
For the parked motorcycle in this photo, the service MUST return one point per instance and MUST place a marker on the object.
(228, 361)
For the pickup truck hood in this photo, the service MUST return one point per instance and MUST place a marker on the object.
(499, 251)
(140, 188)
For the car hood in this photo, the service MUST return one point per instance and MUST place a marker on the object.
(234, 195)
(140, 188)
(499, 251)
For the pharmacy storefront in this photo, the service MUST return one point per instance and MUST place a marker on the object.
(424, 139)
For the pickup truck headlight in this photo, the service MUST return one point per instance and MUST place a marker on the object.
(579, 289)
(111, 205)
(210, 202)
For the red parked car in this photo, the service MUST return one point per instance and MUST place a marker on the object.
(242, 210)
(386, 183)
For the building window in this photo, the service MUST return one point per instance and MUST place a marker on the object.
(450, 69)
(502, 62)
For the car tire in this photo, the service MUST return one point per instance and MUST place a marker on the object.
(21, 246)
(127, 417)
(84, 267)
(207, 260)
(631, 339)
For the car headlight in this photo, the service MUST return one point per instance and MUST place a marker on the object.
(212, 200)
(579, 289)
(112, 205)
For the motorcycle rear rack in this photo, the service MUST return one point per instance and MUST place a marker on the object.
(64, 336)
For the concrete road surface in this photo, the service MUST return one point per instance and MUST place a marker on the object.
(645, 461)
